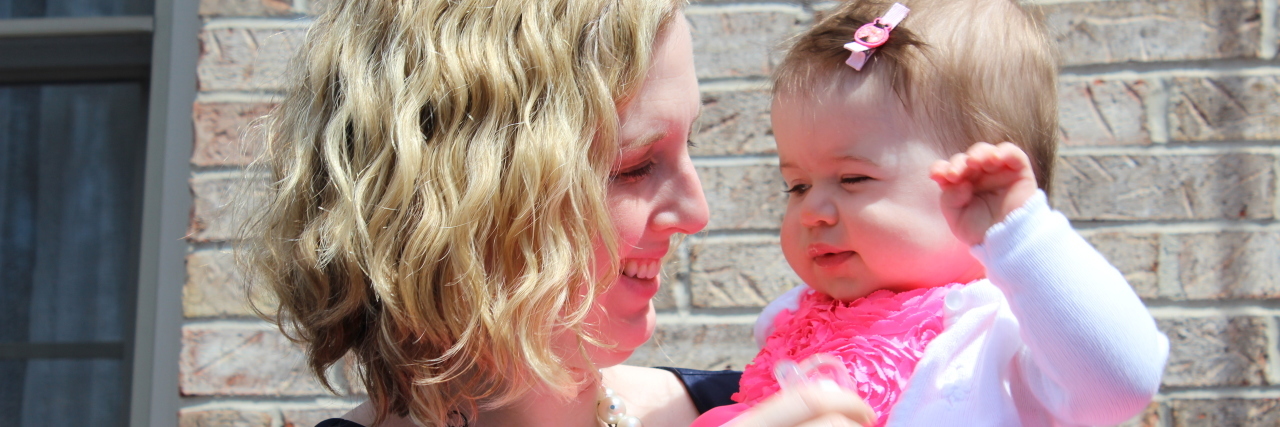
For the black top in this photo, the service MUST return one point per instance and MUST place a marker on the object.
(708, 389)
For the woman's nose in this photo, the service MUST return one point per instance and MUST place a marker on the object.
(685, 210)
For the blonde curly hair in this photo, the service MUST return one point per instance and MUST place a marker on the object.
(437, 175)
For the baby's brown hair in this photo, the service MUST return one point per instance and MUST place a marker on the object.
(970, 70)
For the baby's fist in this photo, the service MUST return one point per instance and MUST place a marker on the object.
(981, 186)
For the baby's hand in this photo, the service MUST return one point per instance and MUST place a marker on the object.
(981, 186)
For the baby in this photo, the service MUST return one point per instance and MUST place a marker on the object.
(936, 272)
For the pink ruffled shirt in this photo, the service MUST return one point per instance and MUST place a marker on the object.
(879, 337)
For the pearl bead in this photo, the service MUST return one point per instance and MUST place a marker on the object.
(611, 409)
(629, 421)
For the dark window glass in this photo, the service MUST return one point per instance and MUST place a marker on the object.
(76, 8)
(71, 163)
(64, 392)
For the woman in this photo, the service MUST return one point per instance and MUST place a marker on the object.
(473, 197)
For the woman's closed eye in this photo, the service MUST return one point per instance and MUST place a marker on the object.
(634, 173)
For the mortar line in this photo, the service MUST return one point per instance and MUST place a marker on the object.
(735, 161)
(302, 22)
(732, 84)
(1192, 68)
(1275, 186)
(1176, 226)
(1178, 149)
(239, 97)
(219, 172)
(1167, 280)
(1157, 105)
(1053, 2)
(752, 236)
(214, 246)
(699, 9)
(822, 6)
(1273, 350)
(1178, 312)
(231, 323)
(707, 319)
(681, 289)
(1267, 46)
(265, 402)
(1262, 392)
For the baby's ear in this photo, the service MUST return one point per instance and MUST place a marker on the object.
(789, 300)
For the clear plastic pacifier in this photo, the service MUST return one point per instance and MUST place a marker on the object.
(823, 370)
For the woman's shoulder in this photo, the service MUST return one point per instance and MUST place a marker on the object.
(684, 391)
(338, 422)
(656, 396)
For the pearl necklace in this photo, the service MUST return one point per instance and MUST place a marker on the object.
(612, 410)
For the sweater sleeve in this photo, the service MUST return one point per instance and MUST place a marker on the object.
(1092, 352)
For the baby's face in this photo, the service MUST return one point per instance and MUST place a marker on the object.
(863, 214)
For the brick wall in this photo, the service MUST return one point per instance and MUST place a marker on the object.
(1168, 166)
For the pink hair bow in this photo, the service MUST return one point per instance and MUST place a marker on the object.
(873, 34)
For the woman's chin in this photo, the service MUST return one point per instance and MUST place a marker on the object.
(627, 334)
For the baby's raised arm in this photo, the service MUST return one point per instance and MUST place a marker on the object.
(1092, 352)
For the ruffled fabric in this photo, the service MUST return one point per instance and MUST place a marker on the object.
(879, 337)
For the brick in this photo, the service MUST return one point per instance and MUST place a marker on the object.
(1226, 265)
(243, 361)
(246, 59)
(1103, 112)
(1145, 187)
(211, 8)
(672, 272)
(741, 42)
(711, 347)
(743, 197)
(309, 417)
(318, 7)
(1215, 351)
(1105, 32)
(738, 273)
(216, 287)
(221, 130)
(223, 418)
(1224, 108)
(1149, 417)
(1137, 255)
(734, 122)
(1224, 412)
(221, 202)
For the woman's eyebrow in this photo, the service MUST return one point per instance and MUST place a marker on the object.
(643, 143)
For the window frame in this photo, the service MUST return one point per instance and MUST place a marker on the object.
(167, 200)
(169, 71)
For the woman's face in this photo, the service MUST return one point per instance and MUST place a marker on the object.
(653, 193)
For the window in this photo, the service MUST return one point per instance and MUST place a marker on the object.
(95, 100)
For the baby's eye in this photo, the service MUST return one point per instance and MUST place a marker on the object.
(797, 189)
(854, 179)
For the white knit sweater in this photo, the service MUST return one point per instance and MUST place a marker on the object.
(1053, 337)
